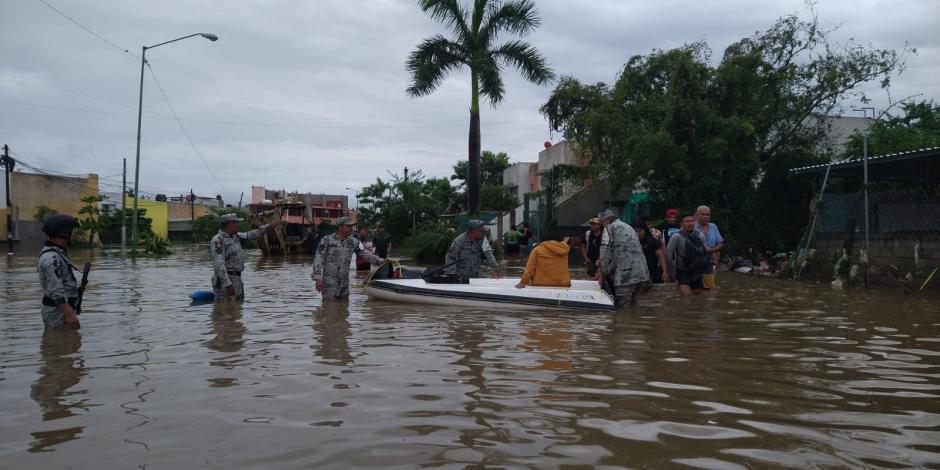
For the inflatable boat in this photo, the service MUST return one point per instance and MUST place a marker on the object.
(395, 283)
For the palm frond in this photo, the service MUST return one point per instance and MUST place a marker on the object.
(514, 16)
(450, 13)
(526, 59)
(430, 63)
(489, 73)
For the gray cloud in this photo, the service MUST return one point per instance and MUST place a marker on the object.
(327, 79)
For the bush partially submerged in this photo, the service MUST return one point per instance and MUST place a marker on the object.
(429, 245)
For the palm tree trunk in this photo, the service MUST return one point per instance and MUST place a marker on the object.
(473, 167)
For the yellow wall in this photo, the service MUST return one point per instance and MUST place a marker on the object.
(30, 190)
(181, 210)
(157, 213)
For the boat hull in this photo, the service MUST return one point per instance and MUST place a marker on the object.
(491, 294)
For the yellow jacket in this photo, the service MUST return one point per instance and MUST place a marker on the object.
(548, 265)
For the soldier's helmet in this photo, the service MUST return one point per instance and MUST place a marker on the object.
(59, 225)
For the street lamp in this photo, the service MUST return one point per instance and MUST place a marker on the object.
(355, 195)
(140, 108)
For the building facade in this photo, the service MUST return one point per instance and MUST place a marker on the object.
(29, 191)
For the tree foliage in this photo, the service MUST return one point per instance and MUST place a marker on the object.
(43, 212)
(474, 43)
(91, 223)
(493, 195)
(110, 230)
(917, 127)
(692, 133)
(207, 225)
(405, 203)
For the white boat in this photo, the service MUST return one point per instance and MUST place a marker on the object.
(400, 284)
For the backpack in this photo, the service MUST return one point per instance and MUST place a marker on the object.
(696, 257)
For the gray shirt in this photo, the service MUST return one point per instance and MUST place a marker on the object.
(466, 255)
(333, 256)
(226, 252)
(56, 276)
(622, 258)
(676, 251)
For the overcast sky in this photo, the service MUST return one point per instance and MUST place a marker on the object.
(309, 95)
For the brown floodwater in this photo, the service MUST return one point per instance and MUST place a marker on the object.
(762, 373)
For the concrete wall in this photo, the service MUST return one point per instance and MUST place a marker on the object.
(518, 175)
(562, 153)
(30, 190)
(157, 212)
(181, 210)
(885, 252)
(841, 129)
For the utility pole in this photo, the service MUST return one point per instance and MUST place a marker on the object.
(124, 206)
(240, 200)
(7, 169)
(192, 214)
(867, 233)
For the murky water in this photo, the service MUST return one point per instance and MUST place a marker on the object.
(763, 374)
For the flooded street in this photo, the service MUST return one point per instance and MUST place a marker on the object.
(764, 373)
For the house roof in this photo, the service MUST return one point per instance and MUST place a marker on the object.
(922, 165)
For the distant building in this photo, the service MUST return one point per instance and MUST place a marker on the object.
(299, 212)
(29, 191)
(840, 130)
(522, 178)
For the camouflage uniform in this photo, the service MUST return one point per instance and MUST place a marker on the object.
(331, 264)
(466, 253)
(228, 262)
(622, 261)
(57, 279)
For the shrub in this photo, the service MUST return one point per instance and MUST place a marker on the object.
(429, 245)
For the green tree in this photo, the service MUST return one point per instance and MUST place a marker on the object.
(110, 230)
(493, 195)
(492, 166)
(473, 44)
(693, 133)
(917, 127)
(403, 204)
(91, 224)
(43, 212)
(207, 225)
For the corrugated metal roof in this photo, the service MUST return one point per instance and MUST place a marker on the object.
(857, 162)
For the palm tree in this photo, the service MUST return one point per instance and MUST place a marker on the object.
(473, 44)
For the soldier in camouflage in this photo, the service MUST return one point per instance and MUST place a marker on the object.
(56, 276)
(227, 259)
(333, 257)
(463, 257)
(622, 263)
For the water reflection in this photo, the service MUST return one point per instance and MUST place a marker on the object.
(62, 368)
(227, 338)
(227, 331)
(332, 329)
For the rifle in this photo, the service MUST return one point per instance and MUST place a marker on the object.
(81, 288)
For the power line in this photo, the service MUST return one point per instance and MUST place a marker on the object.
(77, 187)
(88, 30)
(274, 125)
(185, 133)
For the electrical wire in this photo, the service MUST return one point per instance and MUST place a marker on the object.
(185, 133)
(273, 125)
(88, 30)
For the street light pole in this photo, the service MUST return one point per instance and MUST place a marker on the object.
(355, 195)
(140, 110)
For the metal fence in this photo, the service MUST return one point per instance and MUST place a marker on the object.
(903, 237)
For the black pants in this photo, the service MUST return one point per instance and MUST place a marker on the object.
(592, 267)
